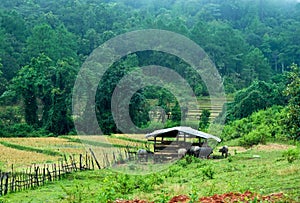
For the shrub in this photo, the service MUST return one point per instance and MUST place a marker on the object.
(291, 154)
(208, 172)
(20, 130)
(188, 160)
(255, 137)
(257, 128)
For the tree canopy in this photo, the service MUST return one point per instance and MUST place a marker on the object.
(44, 43)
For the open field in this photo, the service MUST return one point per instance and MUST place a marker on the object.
(22, 152)
(20, 158)
(261, 170)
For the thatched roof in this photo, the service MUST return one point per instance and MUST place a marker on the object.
(181, 130)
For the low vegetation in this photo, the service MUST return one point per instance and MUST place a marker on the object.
(261, 170)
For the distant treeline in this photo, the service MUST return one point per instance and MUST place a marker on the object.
(44, 43)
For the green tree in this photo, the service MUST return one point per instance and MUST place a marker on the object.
(204, 120)
(51, 84)
(293, 92)
(256, 67)
(56, 43)
(25, 84)
(260, 95)
(58, 120)
(3, 81)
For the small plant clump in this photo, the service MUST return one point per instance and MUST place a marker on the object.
(291, 154)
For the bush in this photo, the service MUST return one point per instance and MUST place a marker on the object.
(257, 128)
(208, 172)
(255, 137)
(291, 154)
(187, 160)
(170, 124)
(19, 130)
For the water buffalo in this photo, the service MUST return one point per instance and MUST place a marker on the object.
(224, 151)
(181, 152)
(143, 154)
(200, 152)
(194, 151)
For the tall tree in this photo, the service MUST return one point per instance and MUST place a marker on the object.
(293, 91)
(204, 120)
(59, 117)
(26, 85)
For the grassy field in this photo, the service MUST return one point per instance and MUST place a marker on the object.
(261, 169)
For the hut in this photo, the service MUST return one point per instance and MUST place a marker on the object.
(167, 142)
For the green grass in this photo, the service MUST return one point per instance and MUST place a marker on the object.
(95, 143)
(262, 172)
(31, 149)
(129, 139)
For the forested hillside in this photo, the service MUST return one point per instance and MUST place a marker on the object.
(255, 46)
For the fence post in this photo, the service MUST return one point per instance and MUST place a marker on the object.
(80, 162)
(66, 166)
(6, 184)
(1, 179)
(93, 164)
(73, 164)
(62, 167)
(49, 174)
(99, 167)
(54, 171)
(86, 161)
(58, 171)
(36, 174)
(44, 175)
(12, 183)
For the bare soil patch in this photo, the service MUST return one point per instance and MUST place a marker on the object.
(272, 147)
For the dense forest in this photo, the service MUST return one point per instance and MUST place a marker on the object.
(254, 44)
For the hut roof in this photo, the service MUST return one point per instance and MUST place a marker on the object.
(180, 130)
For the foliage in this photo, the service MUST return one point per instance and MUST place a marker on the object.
(187, 160)
(260, 95)
(43, 43)
(204, 120)
(258, 127)
(208, 172)
(255, 137)
(292, 122)
(52, 84)
(244, 173)
(291, 154)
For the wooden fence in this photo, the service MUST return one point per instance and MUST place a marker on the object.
(38, 175)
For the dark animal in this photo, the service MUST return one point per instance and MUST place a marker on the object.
(194, 151)
(205, 152)
(143, 154)
(224, 151)
(200, 152)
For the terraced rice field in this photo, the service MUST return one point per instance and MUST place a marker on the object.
(22, 152)
(20, 158)
(49, 143)
(214, 105)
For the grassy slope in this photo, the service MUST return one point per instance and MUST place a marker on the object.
(266, 174)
